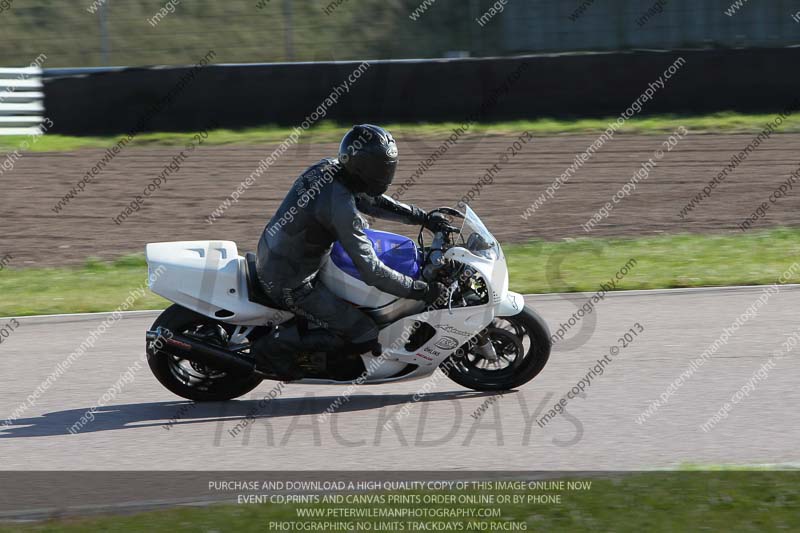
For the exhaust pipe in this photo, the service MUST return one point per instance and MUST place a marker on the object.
(199, 352)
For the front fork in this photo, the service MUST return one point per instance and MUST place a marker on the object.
(484, 346)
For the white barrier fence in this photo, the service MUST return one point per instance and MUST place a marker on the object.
(21, 101)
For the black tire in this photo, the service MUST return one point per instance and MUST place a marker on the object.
(216, 386)
(464, 368)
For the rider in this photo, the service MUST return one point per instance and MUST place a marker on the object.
(323, 206)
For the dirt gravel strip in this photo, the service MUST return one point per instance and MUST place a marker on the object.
(34, 235)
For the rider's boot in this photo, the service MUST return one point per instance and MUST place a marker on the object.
(277, 352)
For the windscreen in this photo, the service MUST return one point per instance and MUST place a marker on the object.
(476, 238)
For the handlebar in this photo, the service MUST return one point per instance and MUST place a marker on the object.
(435, 259)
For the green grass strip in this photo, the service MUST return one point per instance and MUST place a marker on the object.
(328, 131)
(670, 261)
(652, 502)
(581, 265)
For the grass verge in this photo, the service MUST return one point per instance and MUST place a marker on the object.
(670, 261)
(575, 265)
(653, 501)
(331, 131)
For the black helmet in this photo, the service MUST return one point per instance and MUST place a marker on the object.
(369, 156)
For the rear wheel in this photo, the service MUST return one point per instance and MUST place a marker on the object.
(191, 380)
(521, 346)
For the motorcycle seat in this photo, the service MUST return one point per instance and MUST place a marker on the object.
(255, 292)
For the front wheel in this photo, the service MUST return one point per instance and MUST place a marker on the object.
(191, 380)
(521, 346)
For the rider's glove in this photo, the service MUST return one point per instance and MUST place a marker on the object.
(427, 292)
(438, 222)
(435, 293)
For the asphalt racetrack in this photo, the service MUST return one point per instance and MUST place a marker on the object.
(445, 428)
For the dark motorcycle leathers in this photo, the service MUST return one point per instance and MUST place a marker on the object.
(319, 209)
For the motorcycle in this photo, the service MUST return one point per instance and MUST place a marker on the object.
(480, 334)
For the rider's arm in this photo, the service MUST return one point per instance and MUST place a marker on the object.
(345, 223)
(387, 208)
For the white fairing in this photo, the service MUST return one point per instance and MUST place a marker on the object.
(352, 289)
(454, 327)
(208, 277)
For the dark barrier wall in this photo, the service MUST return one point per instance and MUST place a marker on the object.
(591, 85)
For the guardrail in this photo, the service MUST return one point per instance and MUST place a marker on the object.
(21, 101)
(409, 91)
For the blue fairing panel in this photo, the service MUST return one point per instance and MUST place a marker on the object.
(395, 251)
